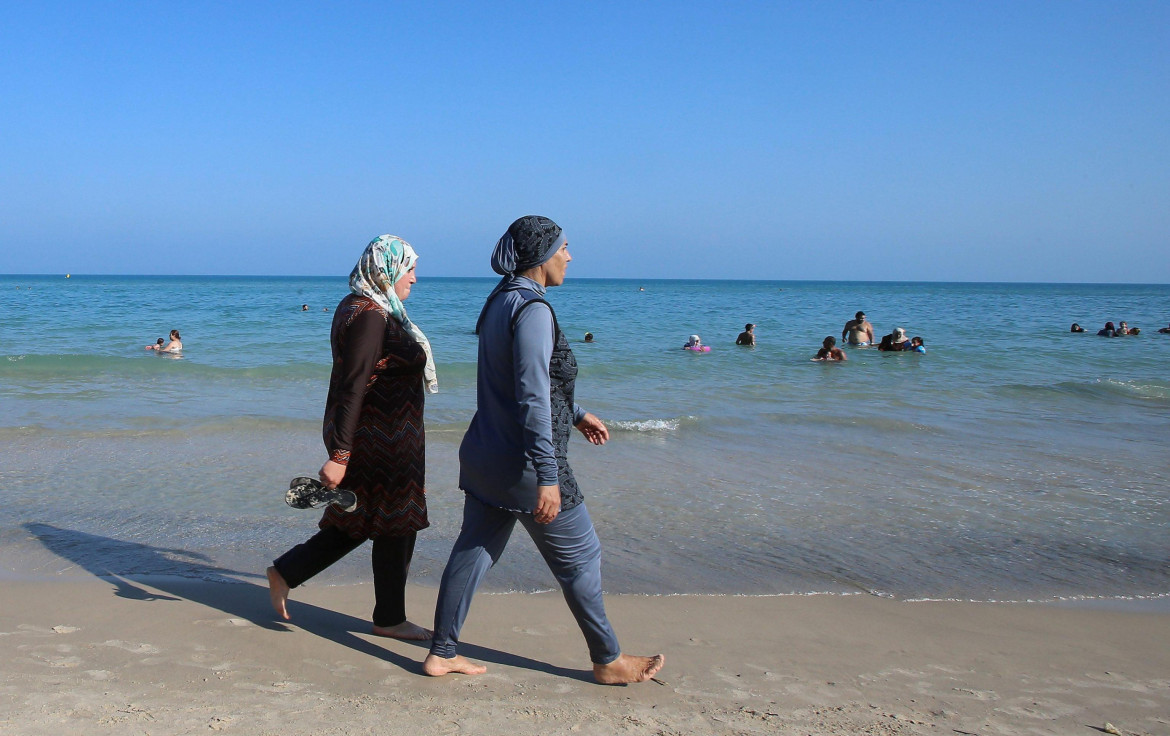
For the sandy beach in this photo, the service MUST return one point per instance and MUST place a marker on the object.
(114, 656)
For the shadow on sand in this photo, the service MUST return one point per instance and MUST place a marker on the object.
(185, 575)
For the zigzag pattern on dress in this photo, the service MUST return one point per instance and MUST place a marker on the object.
(387, 465)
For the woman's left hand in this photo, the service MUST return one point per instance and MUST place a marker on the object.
(593, 429)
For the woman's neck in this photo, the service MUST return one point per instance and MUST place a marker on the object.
(536, 274)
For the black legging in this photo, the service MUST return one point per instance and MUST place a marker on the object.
(390, 559)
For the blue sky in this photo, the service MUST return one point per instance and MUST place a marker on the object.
(988, 141)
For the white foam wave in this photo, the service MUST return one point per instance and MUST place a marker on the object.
(651, 425)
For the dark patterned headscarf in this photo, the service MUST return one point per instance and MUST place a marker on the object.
(529, 242)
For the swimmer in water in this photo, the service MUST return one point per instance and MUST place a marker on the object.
(916, 345)
(695, 344)
(895, 341)
(174, 346)
(588, 337)
(858, 331)
(748, 336)
(829, 351)
(1076, 328)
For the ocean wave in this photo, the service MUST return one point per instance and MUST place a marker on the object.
(138, 428)
(1137, 389)
(880, 423)
(651, 425)
(1110, 389)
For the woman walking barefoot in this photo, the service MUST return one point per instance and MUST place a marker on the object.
(373, 432)
(513, 462)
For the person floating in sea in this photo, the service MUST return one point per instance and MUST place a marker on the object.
(829, 351)
(374, 437)
(1165, 330)
(304, 307)
(895, 341)
(916, 345)
(858, 331)
(588, 337)
(748, 336)
(1076, 328)
(174, 346)
(513, 461)
(695, 344)
(1107, 331)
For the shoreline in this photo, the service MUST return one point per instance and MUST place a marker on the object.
(116, 655)
(1156, 603)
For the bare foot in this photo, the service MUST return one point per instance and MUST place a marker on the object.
(627, 669)
(437, 666)
(278, 592)
(405, 630)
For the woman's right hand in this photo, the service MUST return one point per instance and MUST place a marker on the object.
(331, 474)
(548, 504)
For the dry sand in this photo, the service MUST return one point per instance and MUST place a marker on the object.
(122, 657)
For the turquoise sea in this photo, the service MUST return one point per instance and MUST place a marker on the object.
(1013, 461)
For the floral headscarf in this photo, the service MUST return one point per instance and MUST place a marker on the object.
(386, 260)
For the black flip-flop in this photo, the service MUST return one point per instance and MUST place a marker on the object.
(308, 493)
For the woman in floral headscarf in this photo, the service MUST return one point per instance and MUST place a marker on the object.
(373, 431)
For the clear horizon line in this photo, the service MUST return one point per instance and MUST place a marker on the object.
(66, 275)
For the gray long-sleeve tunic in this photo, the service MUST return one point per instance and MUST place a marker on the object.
(508, 449)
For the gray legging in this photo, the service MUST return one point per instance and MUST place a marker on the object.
(568, 544)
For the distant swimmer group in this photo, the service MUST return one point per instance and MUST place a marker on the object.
(857, 332)
(174, 346)
(829, 351)
(897, 341)
(1121, 330)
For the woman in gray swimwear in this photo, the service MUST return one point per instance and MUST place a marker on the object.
(513, 462)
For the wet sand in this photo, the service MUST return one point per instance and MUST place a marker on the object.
(115, 656)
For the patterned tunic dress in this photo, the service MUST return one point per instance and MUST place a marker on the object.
(374, 422)
(562, 374)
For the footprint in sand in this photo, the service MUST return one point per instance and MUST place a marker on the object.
(339, 669)
(541, 630)
(54, 660)
(977, 694)
(276, 687)
(227, 622)
(1049, 710)
(219, 723)
(132, 648)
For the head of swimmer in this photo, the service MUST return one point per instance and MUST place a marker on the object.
(175, 335)
(829, 342)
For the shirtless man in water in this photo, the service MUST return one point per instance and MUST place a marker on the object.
(858, 331)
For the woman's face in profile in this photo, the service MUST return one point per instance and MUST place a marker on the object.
(402, 286)
(554, 268)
